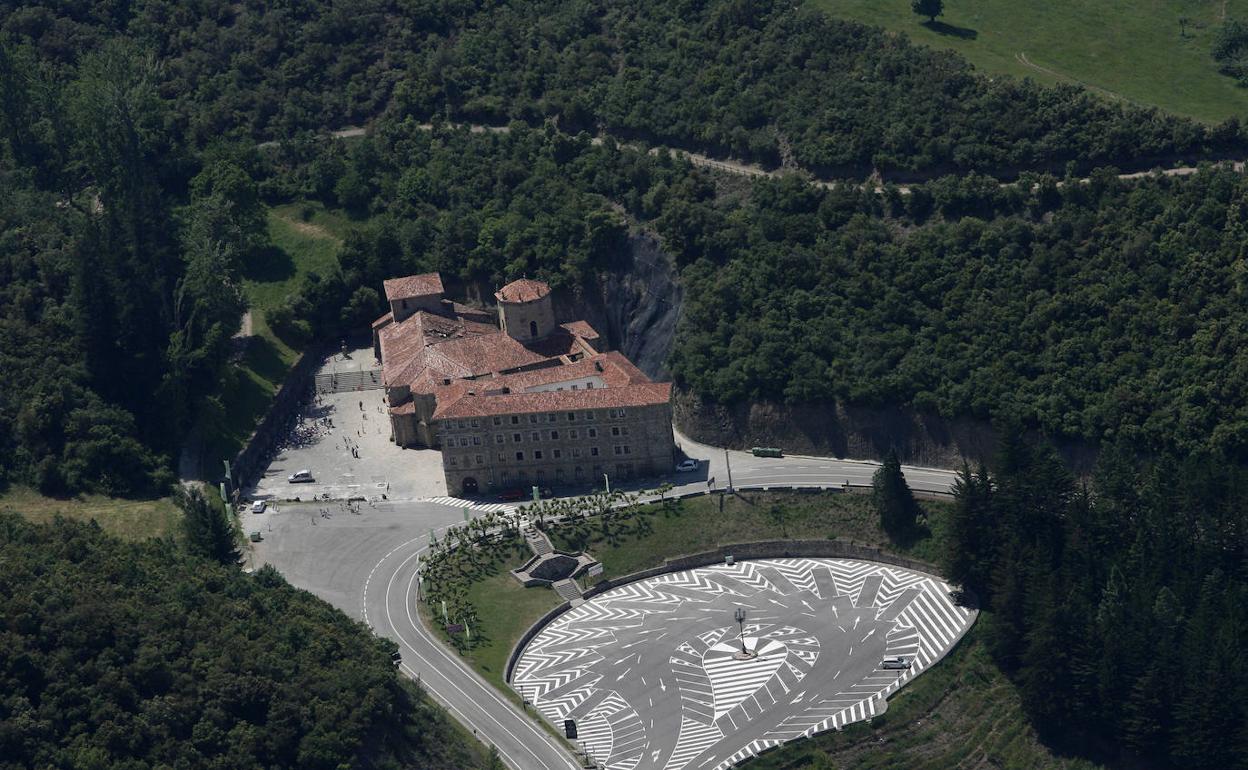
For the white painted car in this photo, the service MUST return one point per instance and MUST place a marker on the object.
(258, 506)
(686, 466)
(300, 476)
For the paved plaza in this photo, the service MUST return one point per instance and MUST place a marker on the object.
(650, 674)
(344, 440)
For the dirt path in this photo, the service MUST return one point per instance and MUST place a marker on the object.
(754, 170)
(1021, 57)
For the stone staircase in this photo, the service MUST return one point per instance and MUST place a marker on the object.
(537, 540)
(567, 590)
(343, 382)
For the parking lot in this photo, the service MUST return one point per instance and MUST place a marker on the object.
(344, 440)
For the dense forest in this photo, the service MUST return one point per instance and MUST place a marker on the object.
(120, 251)
(1120, 606)
(133, 656)
(758, 79)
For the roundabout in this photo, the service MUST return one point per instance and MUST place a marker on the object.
(705, 667)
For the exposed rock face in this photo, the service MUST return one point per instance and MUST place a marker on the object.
(636, 307)
(847, 431)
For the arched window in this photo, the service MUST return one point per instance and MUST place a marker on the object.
(532, 328)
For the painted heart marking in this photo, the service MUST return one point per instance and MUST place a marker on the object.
(732, 680)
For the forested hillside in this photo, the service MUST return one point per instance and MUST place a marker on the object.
(1120, 607)
(1112, 309)
(123, 655)
(751, 78)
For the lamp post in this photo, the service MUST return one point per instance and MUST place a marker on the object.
(739, 616)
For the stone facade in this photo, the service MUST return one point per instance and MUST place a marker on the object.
(516, 398)
(577, 447)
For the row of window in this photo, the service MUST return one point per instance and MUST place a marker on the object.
(622, 470)
(535, 436)
(537, 454)
(534, 419)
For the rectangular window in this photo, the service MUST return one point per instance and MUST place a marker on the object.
(498, 438)
(576, 434)
(593, 433)
(515, 437)
(535, 436)
(463, 441)
(476, 423)
(615, 431)
(551, 417)
(576, 452)
(624, 430)
(593, 451)
(571, 416)
(623, 413)
(533, 419)
(453, 462)
(502, 457)
(554, 435)
(626, 449)
(515, 420)
(558, 453)
(589, 386)
(619, 450)
(476, 441)
(498, 420)
(537, 454)
(589, 415)
(480, 460)
(519, 455)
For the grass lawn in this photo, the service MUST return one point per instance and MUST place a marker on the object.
(127, 519)
(697, 524)
(1129, 49)
(299, 246)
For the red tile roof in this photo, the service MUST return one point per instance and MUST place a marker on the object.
(480, 405)
(413, 286)
(385, 319)
(581, 329)
(523, 290)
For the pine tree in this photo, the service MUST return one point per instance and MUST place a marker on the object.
(208, 530)
(893, 499)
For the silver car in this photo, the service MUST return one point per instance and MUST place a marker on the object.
(895, 663)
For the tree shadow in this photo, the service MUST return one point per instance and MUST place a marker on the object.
(949, 30)
(264, 359)
(268, 265)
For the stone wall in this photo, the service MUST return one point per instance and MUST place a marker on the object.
(249, 464)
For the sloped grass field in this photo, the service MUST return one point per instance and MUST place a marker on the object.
(127, 519)
(1128, 49)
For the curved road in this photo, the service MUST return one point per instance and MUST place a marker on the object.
(366, 564)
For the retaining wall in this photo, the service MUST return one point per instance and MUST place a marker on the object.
(249, 464)
(767, 549)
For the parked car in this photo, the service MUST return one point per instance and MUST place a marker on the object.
(685, 466)
(898, 662)
(511, 495)
(258, 506)
(766, 451)
(299, 477)
(396, 657)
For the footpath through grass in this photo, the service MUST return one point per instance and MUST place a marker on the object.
(127, 519)
(305, 238)
(1131, 49)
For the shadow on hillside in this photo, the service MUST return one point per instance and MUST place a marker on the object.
(949, 30)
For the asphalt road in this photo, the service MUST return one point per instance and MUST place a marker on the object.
(365, 564)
